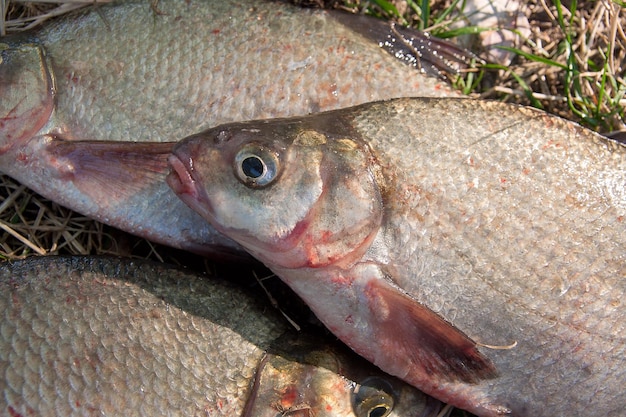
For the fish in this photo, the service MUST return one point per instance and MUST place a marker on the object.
(115, 336)
(474, 249)
(135, 72)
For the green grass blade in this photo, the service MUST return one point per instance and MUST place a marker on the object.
(387, 7)
(425, 9)
(533, 57)
(467, 30)
(447, 11)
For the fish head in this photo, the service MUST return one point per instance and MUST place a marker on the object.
(27, 89)
(310, 376)
(281, 188)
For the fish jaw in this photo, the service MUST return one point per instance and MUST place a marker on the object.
(306, 377)
(27, 91)
(203, 174)
(283, 387)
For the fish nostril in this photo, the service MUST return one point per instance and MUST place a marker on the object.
(222, 136)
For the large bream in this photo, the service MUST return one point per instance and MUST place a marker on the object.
(474, 249)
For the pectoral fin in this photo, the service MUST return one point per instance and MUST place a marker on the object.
(434, 348)
(114, 169)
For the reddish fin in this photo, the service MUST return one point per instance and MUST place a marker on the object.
(413, 331)
(111, 168)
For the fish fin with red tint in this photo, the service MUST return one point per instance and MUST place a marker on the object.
(119, 169)
(435, 348)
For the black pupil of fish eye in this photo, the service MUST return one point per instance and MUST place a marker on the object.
(252, 167)
(378, 411)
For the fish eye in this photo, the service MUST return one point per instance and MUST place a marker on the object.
(372, 398)
(256, 166)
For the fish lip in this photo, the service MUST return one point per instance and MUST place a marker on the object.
(181, 180)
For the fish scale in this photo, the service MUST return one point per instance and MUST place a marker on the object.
(178, 69)
(557, 253)
(112, 336)
(489, 264)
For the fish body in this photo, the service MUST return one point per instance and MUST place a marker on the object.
(132, 72)
(91, 336)
(474, 249)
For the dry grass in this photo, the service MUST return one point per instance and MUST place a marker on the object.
(23, 15)
(572, 64)
(31, 225)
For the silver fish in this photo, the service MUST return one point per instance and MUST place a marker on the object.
(128, 72)
(474, 249)
(99, 336)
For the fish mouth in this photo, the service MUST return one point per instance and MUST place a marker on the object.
(180, 179)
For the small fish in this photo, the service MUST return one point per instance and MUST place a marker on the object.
(105, 336)
(128, 72)
(474, 249)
